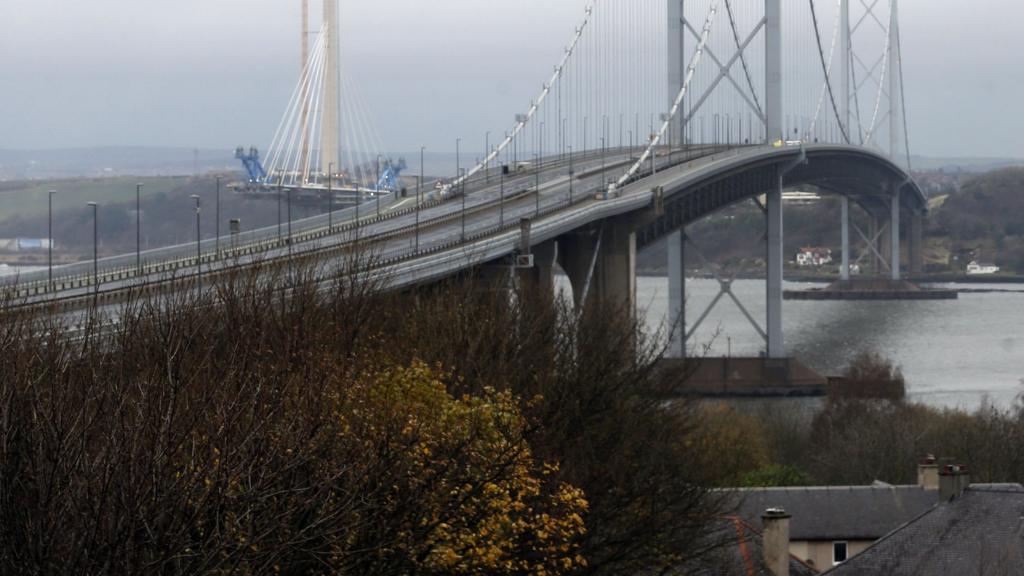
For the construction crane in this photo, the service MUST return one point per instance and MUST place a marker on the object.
(252, 163)
(389, 177)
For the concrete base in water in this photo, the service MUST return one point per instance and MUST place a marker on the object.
(744, 378)
(871, 289)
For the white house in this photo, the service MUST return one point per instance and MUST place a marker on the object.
(974, 268)
(816, 257)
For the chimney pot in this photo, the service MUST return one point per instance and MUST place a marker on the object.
(776, 541)
(928, 473)
(953, 480)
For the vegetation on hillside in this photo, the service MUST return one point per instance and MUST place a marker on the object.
(282, 429)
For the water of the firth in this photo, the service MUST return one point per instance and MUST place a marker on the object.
(953, 353)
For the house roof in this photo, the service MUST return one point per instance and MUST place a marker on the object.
(839, 513)
(736, 549)
(979, 532)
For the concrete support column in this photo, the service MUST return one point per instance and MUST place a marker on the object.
(894, 232)
(330, 133)
(773, 70)
(916, 244)
(540, 279)
(776, 347)
(677, 292)
(844, 269)
(576, 254)
(614, 279)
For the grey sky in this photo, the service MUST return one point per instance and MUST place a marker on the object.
(218, 73)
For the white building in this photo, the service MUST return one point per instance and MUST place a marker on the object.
(974, 268)
(813, 257)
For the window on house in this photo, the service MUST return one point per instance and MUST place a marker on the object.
(840, 552)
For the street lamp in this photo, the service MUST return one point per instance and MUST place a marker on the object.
(217, 214)
(376, 186)
(49, 246)
(199, 250)
(138, 228)
(604, 181)
(536, 171)
(487, 156)
(501, 201)
(463, 194)
(289, 220)
(572, 175)
(280, 187)
(95, 248)
(419, 184)
(330, 197)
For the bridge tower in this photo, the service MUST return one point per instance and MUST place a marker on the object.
(773, 122)
(330, 133)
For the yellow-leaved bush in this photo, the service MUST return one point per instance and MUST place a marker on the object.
(399, 477)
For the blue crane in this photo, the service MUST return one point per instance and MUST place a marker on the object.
(252, 163)
(389, 177)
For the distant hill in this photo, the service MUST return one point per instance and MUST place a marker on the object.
(112, 161)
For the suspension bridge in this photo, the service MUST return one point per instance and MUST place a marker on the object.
(656, 114)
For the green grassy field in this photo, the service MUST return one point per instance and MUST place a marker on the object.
(28, 199)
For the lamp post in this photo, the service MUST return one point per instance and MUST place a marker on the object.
(138, 228)
(419, 197)
(49, 246)
(419, 185)
(501, 200)
(289, 220)
(95, 248)
(536, 179)
(199, 249)
(280, 186)
(458, 163)
(217, 214)
(376, 187)
(604, 182)
(463, 194)
(330, 197)
(487, 156)
(572, 175)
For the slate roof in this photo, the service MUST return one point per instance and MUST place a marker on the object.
(736, 550)
(838, 513)
(980, 532)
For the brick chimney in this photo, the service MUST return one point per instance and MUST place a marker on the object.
(776, 541)
(953, 480)
(928, 473)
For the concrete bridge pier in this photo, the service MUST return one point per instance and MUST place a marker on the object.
(677, 293)
(614, 279)
(536, 277)
(894, 233)
(916, 241)
(577, 254)
(775, 262)
(844, 268)
(601, 264)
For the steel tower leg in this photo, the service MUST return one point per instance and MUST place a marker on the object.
(773, 70)
(676, 55)
(677, 292)
(844, 270)
(844, 65)
(776, 348)
(895, 111)
(894, 231)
